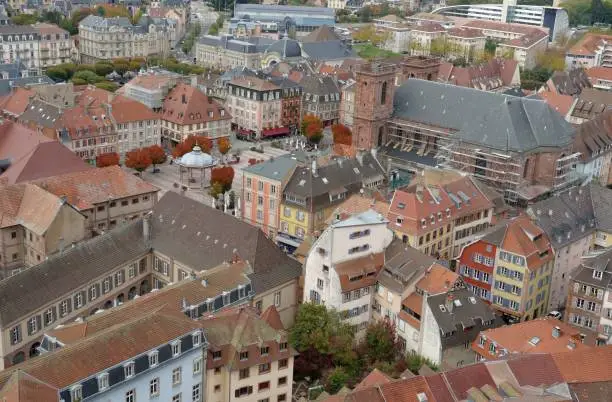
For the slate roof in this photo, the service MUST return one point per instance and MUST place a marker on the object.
(573, 214)
(7, 85)
(403, 265)
(328, 50)
(600, 261)
(276, 169)
(322, 34)
(496, 121)
(319, 86)
(348, 174)
(91, 259)
(41, 113)
(471, 313)
(286, 48)
(569, 82)
(202, 237)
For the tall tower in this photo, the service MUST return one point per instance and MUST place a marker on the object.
(374, 92)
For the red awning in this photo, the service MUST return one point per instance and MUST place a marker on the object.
(271, 132)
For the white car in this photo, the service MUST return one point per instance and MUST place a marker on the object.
(555, 314)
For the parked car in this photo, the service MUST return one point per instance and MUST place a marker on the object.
(555, 314)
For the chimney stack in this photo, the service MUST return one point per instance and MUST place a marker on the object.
(146, 226)
(449, 302)
(556, 332)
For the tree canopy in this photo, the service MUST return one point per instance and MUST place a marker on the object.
(138, 159)
(108, 159)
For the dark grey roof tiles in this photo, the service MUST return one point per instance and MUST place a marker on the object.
(598, 261)
(201, 237)
(329, 50)
(66, 272)
(403, 265)
(495, 121)
(41, 113)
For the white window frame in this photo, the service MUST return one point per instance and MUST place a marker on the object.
(103, 381)
(197, 365)
(176, 348)
(176, 376)
(129, 370)
(76, 393)
(153, 359)
(154, 387)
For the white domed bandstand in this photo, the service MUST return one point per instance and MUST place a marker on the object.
(192, 168)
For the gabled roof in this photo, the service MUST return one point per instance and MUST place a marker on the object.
(22, 387)
(46, 160)
(202, 237)
(17, 102)
(276, 169)
(497, 121)
(126, 110)
(185, 104)
(561, 103)
(86, 188)
(321, 34)
(376, 377)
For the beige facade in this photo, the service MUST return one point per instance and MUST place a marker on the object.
(112, 38)
(209, 55)
(255, 104)
(283, 298)
(55, 45)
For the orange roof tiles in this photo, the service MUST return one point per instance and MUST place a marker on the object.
(356, 204)
(519, 239)
(17, 102)
(376, 377)
(561, 103)
(414, 302)
(516, 338)
(591, 365)
(366, 267)
(589, 43)
(254, 83)
(22, 387)
(17, 140)
(127, 110)
(272, 318)
(188, 105)
(502, 27)
(437, 279)
(150, 81)
(86, 188)
(601, 73)
(406, 390)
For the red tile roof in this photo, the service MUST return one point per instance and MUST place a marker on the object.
(188, 105)
(518, 239)
(561, 103)
(462, 379)
(86, 188)
(535, 370)
(464, 32)
(272, 318)
(22, 387)
(589, 43)
(437, 279)
(601, 73)
(254, 83)
(127, 110)
(502, 27)
(17, 102)
(46, 159)
(376, 377)
(591, 365)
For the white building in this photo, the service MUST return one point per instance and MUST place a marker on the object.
(343, 263)
(20, 43)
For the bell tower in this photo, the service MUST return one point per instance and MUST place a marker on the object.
(374, 92)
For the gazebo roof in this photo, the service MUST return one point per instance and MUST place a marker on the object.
(197, 159)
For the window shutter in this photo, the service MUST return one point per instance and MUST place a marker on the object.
(69, 306)
(54, 311)
(98, 293)
(84, 297)
(38, 322)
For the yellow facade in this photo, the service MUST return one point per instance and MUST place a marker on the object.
(602, 239)
(528, 288)
(294, 220)
(435, 241)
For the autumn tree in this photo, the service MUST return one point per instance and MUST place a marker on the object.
(224, 145)
(312, 128)
(138, 159)
(342, 134)
(187, 145)
(370, 34)
(380, 342)
(157, 155)
(108, 159)
(221, 178)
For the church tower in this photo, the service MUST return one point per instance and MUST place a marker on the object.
(374, 92)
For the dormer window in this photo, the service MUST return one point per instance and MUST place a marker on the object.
(216, 355)
(244, 355)
(195, 339)
(448, 212)
(176, 348)
(76, 393)
(432, 219)
(439, 216)
(597, 274)
(128, 370)
(103, 381)
(399, 220)
(423, 222)
(153, 359)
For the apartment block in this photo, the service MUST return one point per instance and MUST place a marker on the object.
(149, 253)
(227, 52)
(589, 302)
(262, 192)
(249, 357)
(341, 268)
(187, 111)
(20, 43)
(137, 125)
(55, 45)
(521, 270)
(35, 224)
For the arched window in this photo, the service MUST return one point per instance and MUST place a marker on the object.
(383, 93)
(34, 349)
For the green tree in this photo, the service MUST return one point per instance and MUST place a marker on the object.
(24, 19)
(213, 29)
(380, 342)
(336, 379)
(57, 73)
(103, 68)
(365, 14)
(101, 11)
(121, 66)
(88, 76)
(107, 86)
(54, 17)
(317, 327)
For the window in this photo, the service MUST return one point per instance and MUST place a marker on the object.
(196, 393)
(197, 365)
(93, 293)
(15, 335)
(177, 398)
(77, 393)
(103, 381)
(176, 376)
(277, 299)
(282, 398)
(13, 235)
(128, 369)
(32, 325)
(264, 350)
(132, 271)
(154, 387)
(320, 283)
(153, 359)
(195, 339)
(283, 346)
(130, 396)
(264, 368)
(283, 363)
(243, 391)
(217, 388)
(244, 373)
(106, 285)
(244, 355)
(176, 348)
(282, 381)
(263, 386)
(78, 300)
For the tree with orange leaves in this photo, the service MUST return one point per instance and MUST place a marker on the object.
(157, 155)
(187, 145)
(312, 128)
(342, 134)
(138, 159)
(224, 145)
(221, 178)
(108, 159)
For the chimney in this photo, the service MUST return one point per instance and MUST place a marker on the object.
(419, 192)
(550, 212)
(204, 282)
(449, 302)
(556, 332)
(571, 344)
(146, 226)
